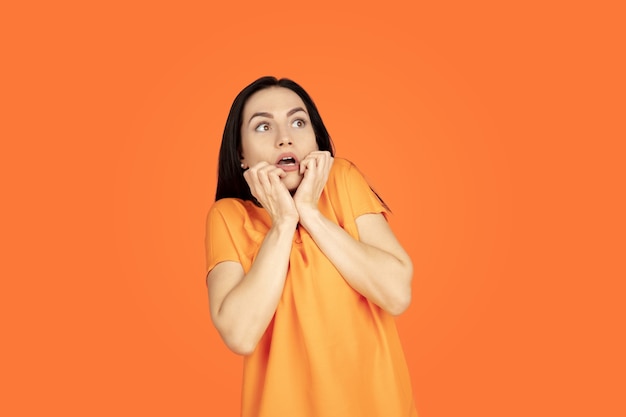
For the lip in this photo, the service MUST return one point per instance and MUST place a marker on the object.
(288, 168)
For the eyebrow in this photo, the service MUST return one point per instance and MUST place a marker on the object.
(269, 115)
(295, 110)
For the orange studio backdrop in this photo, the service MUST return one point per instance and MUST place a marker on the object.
(494, 131)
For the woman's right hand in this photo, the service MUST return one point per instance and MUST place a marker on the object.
(266, 186)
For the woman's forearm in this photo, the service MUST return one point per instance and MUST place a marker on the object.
(248, 308)
(383, 277)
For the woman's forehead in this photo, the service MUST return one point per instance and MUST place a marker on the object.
(273, 100)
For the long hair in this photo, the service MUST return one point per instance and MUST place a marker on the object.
(230, 180)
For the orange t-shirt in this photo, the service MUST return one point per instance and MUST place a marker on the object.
(328, 351)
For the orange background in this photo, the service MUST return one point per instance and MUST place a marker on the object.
(494, 131)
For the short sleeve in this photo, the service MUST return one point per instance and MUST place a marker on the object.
(363, 199)
(221, 234)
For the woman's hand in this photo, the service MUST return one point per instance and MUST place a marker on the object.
(266, 186)
(315, 167)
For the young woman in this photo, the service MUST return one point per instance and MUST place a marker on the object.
(304, 272)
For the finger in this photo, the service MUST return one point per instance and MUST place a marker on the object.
(322, 163)
(306, 162)
(268, 167)
(258, 166)
(275, 179)
(252, 172)
(303, 164)
(271, 179)
(264, 181)
(251, 175)
(309, 163)
(277, 173)
(273, 171)
(326, 162)
(257, 177)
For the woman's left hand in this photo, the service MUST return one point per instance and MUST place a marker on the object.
(315, 167)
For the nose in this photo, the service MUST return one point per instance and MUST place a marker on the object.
(283, 140)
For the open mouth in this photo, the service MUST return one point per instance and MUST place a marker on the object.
(287, 160)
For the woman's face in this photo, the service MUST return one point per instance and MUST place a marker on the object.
(276, 129)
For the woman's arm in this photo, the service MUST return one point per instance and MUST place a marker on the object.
(243, 306)
(376, 266)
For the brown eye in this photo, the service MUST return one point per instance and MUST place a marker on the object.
(298, 123)
(263, 127)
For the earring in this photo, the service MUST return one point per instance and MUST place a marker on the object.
(242, 166)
